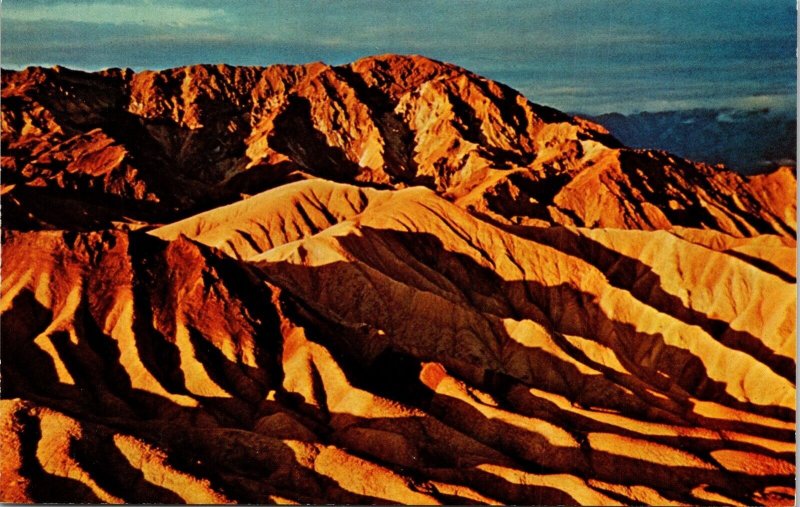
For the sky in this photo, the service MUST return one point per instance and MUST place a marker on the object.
(584, 56)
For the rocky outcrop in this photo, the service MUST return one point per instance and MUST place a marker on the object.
(156, 146)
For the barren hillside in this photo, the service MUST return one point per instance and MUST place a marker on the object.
(392, 281)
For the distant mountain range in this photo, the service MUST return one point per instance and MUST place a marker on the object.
(747, 141)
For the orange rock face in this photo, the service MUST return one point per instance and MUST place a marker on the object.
(392, 281)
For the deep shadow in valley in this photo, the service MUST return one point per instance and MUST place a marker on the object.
(216, 439)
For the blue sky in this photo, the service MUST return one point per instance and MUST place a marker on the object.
(586, 56)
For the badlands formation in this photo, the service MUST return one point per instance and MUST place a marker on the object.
(392, 281)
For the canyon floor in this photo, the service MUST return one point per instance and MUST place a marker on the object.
(392, 281)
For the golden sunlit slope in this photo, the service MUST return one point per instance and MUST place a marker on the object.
(386, 282)
(440, 356)
(275, 217)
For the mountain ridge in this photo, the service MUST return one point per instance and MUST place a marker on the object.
(437, 125)
(386, 282)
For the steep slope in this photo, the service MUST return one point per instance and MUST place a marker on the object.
(148, 339)
(118, 146)
(439, 356)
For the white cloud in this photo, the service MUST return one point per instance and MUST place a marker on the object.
(148, 13)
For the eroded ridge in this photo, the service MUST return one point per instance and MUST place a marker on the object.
(394, 282)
